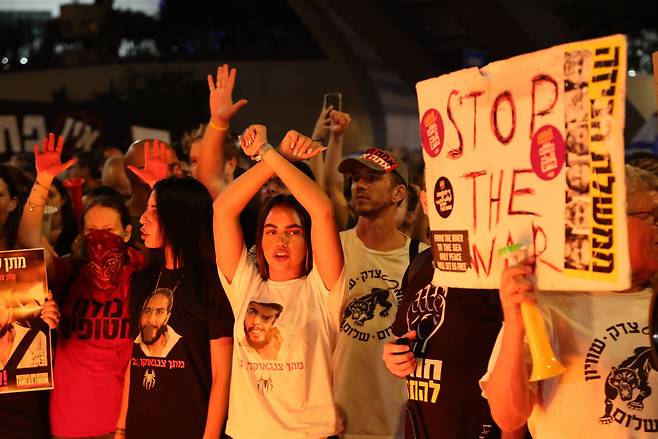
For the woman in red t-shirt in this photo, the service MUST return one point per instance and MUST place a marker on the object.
(94, 339)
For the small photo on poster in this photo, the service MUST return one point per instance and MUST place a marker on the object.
(577, 252)
(577, 68)
(577, 141)
(25, 344)
(578, 212)
(578, 177)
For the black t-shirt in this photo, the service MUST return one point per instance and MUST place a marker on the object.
(170, 386)
(24, 415)
(457, 329)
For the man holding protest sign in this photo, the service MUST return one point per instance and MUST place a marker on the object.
(606, 391)
(528, 153)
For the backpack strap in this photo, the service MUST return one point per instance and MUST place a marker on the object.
(414, 245)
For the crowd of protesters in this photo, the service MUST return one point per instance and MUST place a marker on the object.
(276, 288)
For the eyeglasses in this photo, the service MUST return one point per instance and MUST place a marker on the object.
(644, 215)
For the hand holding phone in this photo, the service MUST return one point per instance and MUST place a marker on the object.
(334, 100)
(403, 341)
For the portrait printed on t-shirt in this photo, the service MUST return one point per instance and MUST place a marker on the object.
(261, 332)
(156, 337)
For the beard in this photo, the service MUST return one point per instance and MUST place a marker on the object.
(146, 332)
(371, 208)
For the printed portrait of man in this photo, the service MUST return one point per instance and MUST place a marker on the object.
(577, 214)
(156, 337)
(577, 139)
(578, 177)
(577, 252)
(261, 334)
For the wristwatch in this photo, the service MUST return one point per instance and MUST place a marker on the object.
(262, 150)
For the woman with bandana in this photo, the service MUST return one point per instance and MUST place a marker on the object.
(94, 340)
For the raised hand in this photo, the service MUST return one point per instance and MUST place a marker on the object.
(339, 122)
(156, 163)
(296, 147)
(322, 124)
(252, 139)
(48, 160)
(222, 108)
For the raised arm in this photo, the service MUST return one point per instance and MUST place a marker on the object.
(156, 163)
(229, 239)
(320, 131)
(49, 164)
(508, 391)
(324, 234)
(210, 169)
(333, 179)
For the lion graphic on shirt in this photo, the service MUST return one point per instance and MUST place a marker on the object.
(630, 378)
(363, 308)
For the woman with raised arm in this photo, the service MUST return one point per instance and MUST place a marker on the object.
(287, 307)
(178, 380)
(23, 415)
(93, 340)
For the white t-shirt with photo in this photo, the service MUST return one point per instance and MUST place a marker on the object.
(610, 389)
(290, 396)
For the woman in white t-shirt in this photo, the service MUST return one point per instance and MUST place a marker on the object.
(287, 306)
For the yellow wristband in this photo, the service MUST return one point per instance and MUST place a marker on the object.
(217, 127)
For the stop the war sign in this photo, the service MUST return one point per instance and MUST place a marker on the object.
(529, 151)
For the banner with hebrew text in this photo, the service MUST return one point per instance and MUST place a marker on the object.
(529, 151)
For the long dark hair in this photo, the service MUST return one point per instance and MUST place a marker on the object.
(10, 227)
(291, 203)
(184, 209)
(184, 214)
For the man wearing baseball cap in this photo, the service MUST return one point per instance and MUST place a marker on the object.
(371, 400)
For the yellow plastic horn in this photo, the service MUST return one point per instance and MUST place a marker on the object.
(544, 362)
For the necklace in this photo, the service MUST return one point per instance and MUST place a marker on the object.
(157, 283)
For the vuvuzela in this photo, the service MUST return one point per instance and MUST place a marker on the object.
(544, 363)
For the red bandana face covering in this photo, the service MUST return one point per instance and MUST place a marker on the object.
(106, 252)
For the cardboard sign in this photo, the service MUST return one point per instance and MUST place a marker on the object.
(530, 151)
(23, 291)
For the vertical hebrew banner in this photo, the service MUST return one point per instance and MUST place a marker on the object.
(530, 151)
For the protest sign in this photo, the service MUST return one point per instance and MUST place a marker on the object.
(529, 151)
(27, 364)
